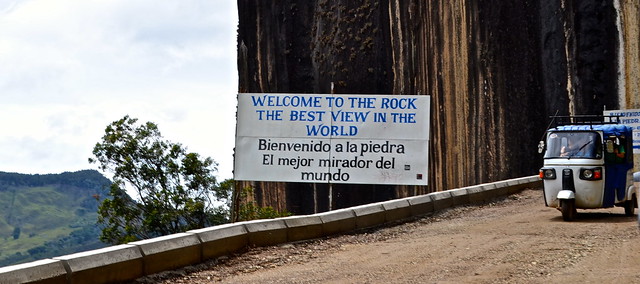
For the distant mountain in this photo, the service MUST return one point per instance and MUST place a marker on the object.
(43, 216)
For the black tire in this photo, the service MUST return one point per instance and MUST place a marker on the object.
(629, 206)
(568, 209)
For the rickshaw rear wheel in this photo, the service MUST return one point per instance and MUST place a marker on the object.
(629, 206)
(568, 208)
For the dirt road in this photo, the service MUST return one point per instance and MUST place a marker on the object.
(514, 240)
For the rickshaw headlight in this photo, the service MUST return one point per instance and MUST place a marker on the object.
(591, 174)
(547, 173)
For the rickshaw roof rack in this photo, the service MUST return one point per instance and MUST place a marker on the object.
(560, 120)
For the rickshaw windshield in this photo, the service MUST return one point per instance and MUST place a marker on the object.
(574, 144)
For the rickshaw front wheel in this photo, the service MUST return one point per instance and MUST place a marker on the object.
(568, 208)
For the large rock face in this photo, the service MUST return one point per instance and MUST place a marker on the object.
(495, 70)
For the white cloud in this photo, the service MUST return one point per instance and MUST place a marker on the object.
(70, 67)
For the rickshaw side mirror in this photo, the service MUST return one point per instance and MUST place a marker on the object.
(541, 147)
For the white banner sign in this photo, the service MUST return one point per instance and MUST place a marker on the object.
(367, 139)
(629, 117)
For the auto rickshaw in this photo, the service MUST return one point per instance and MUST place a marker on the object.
(588, 164)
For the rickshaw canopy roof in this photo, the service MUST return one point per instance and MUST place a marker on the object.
(607, 129)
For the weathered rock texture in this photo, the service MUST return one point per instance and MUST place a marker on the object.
(629, 50)
(495, 71)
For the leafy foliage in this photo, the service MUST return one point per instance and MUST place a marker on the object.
(249, 210)
(176, 190)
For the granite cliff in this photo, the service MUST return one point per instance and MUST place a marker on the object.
(495, 70)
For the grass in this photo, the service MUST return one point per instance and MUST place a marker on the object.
(43, 214)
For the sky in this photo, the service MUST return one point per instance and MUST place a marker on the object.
(69, 68)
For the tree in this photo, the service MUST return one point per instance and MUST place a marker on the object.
(16, 233)
(175, 189)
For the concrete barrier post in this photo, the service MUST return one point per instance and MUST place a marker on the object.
(107, 265)
(396, 210)
(421, 205)
(459, 196)
(369, 215)
(337, 221)
(222, 240)
(303, 227)
(267, 232)
(46, 271)
(169, 252)
(477, 195)
(493, 190)
(441, 200)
